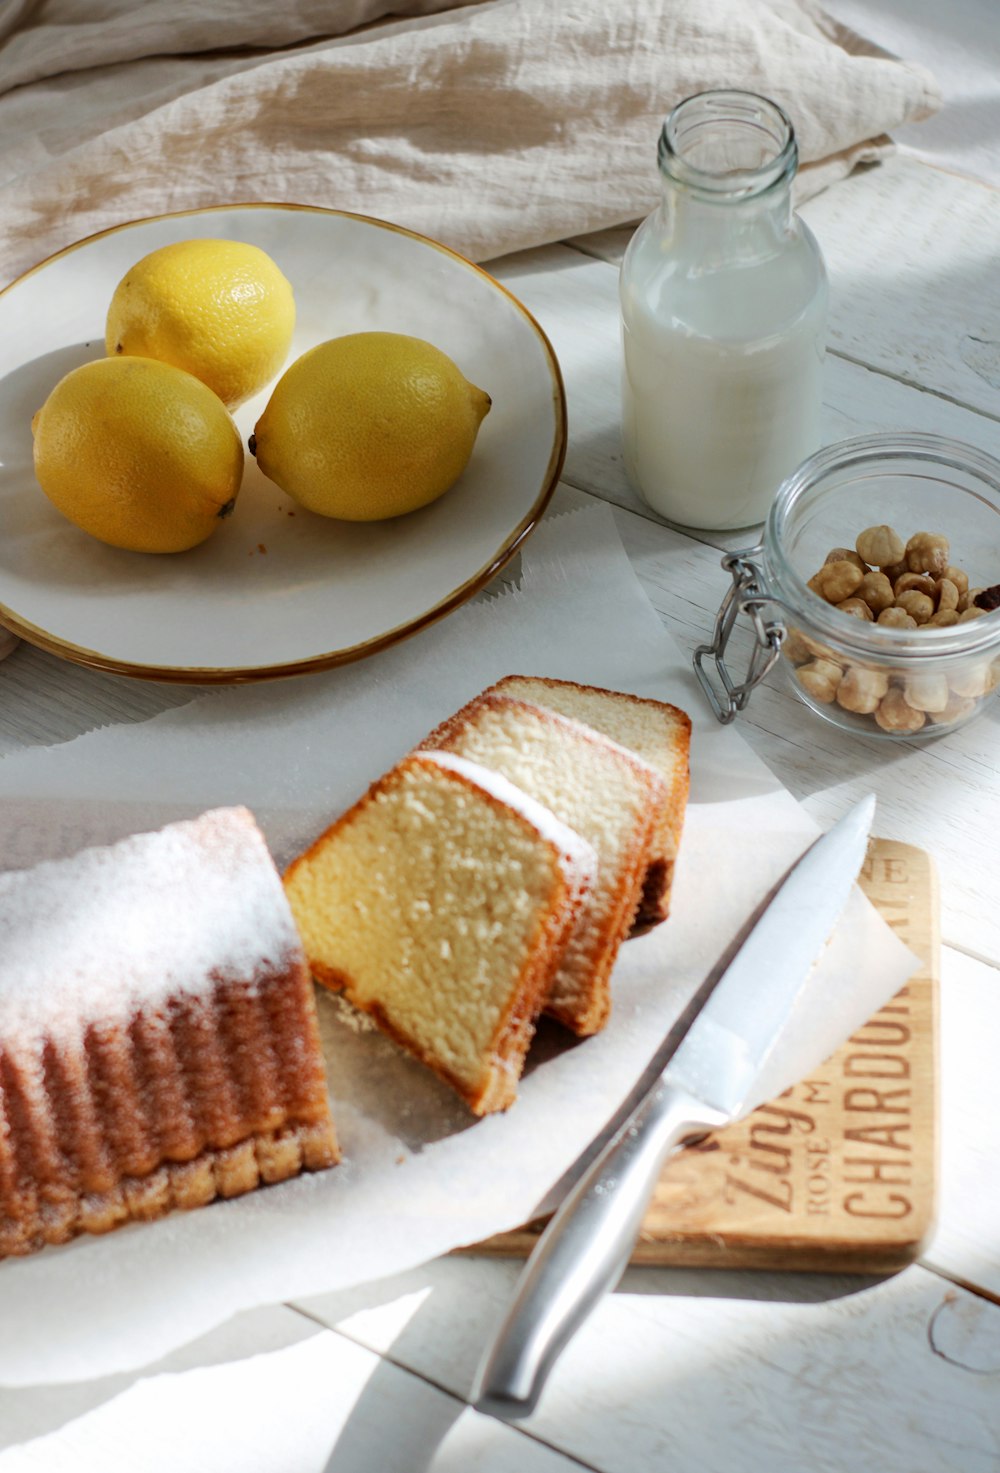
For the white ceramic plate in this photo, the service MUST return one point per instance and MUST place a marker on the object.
(276, 590)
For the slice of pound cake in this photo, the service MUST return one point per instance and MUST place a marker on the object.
(440, 904)
(602, 792)
(158, 1035)
(658, 733)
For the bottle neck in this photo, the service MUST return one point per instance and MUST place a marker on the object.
(727, 160)
(721, 232)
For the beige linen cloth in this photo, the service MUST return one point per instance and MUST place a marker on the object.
(491, 126)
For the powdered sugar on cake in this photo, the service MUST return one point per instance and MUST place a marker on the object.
(115, 929)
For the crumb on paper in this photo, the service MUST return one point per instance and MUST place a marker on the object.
(352, 1017)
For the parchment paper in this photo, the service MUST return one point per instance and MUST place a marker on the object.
(421, 1176)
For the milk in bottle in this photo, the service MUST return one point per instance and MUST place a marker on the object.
(723, 304)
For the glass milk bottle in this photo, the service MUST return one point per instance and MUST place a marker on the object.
(723, 303)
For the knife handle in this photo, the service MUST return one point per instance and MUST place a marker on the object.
(584, 1250)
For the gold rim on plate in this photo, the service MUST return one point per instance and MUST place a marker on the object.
(236, 675)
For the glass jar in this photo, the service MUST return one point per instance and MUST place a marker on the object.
(723, 306)
(867, 676)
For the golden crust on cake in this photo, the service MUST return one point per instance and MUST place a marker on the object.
(440, 904)
(158, 1037)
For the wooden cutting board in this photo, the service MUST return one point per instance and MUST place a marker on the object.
(839, 1174)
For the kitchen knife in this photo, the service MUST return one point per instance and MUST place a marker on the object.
(743, 1045)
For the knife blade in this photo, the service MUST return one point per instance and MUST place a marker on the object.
(734, 1054)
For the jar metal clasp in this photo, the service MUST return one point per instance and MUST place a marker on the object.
(748, 594)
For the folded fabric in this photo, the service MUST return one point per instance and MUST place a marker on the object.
(491, 127)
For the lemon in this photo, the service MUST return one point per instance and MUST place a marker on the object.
(369, 426)
(138, 454)
(219, 309)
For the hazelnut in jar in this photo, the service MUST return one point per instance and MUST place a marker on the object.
(902, 640)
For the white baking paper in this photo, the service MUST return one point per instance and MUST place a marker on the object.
(421, 1176)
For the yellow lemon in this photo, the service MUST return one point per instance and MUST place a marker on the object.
(219, 309)
(369, 426)
(138, 454)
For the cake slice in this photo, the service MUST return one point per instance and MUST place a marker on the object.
(658, 733)
(440, 904)
(158, 1035)
(601, 791)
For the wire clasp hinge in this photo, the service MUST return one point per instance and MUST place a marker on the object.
(748, 595)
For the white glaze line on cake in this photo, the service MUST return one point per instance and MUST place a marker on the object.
(578, 856)
(130, 925)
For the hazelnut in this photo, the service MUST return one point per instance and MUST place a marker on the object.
(845, 555)
(927, 692)
(919, 606)
(896, 619)
(922, 582)
(794, 647)
(955, 710)
(904, 586)
(974, 681)
(880, 546)
(857, 607)
(817, 650)
(836, 581)
(820, 679)
(895, 713)
(948, 595)
(927, 552)
(877, 592)
(861, 690)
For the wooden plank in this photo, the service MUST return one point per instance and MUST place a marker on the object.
(46, 700)
(30, 1412)
(966, 1245)
(716, 1371)
(912, 278)
(839, 1174)
(262, 1398)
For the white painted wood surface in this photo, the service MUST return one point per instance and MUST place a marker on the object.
(678, 1369)
(726, 1373)
(271, 1392)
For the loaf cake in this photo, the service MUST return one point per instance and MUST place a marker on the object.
(658, 733)
(158, 1035)
(604, 793)
(440, 904)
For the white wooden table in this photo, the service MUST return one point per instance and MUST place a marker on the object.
(678, 1369)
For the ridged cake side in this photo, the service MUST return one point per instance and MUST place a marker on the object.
(158, 1035)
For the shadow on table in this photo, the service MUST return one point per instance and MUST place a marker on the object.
(774, 1286)
(414, 1440)
(428, 1403)
(30, 1412)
